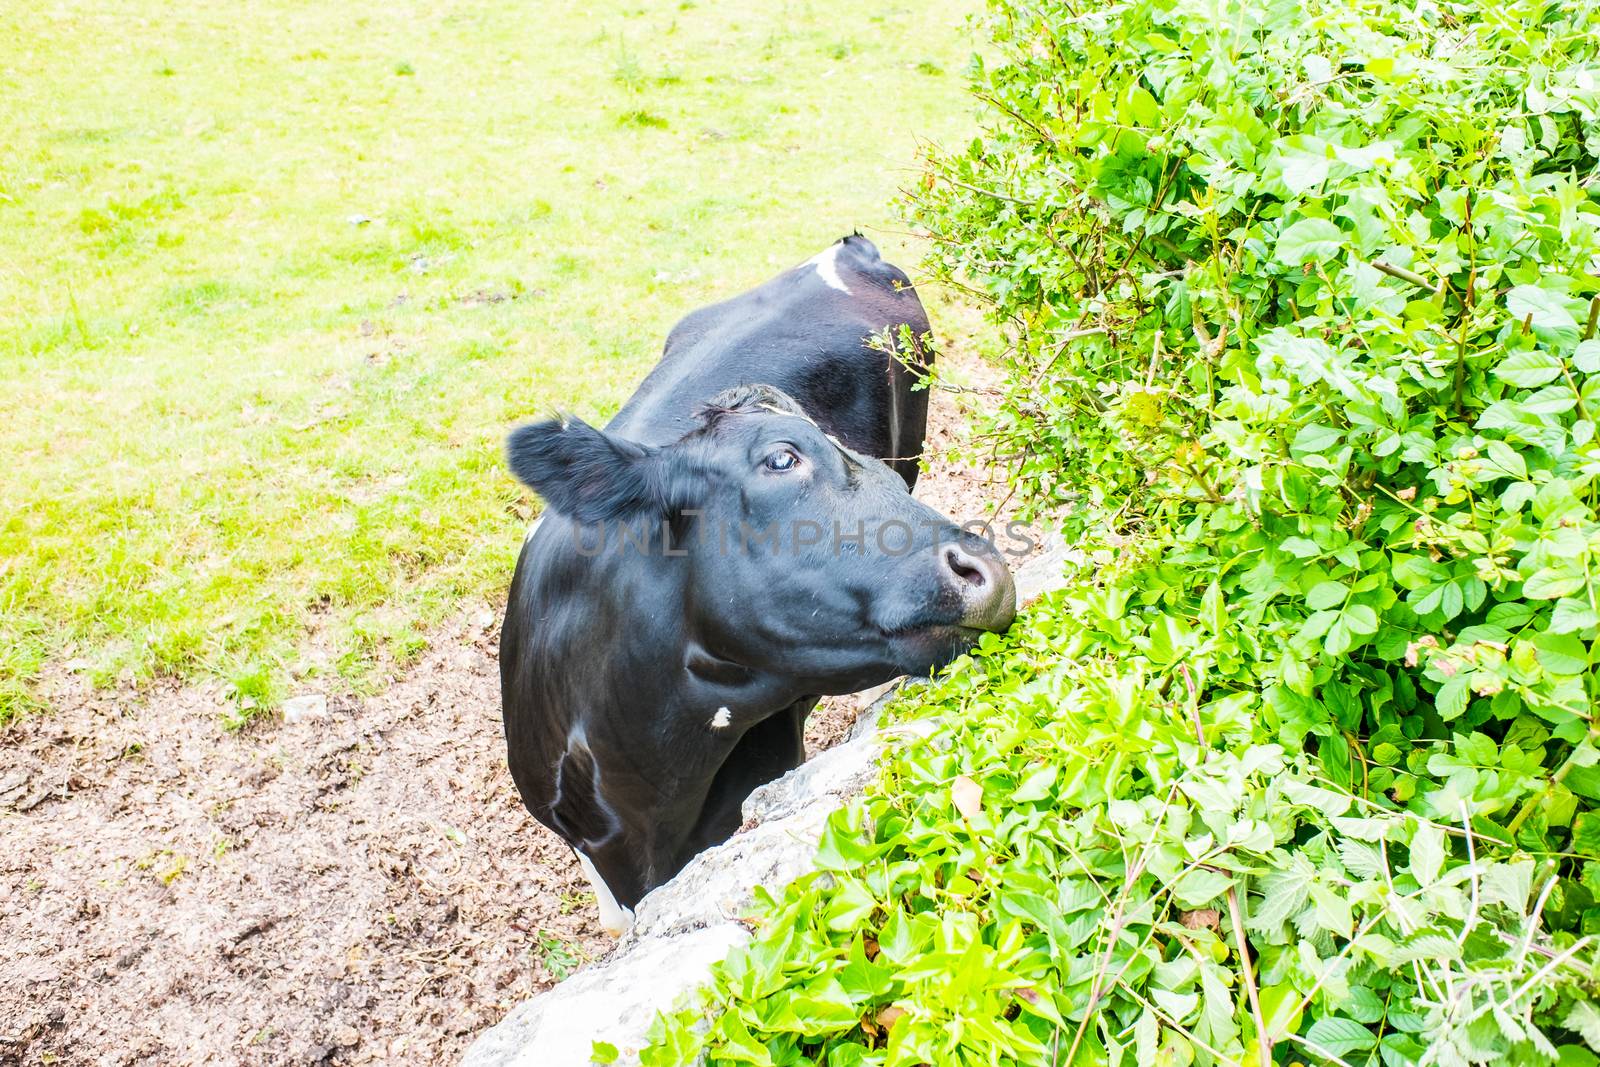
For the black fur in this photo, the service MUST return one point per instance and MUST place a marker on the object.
(581, 472)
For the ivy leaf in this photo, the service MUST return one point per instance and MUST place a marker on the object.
(1036, 786)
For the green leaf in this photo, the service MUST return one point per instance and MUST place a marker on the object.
(1327, 594)
(1143, 107)
(1549, 583)
(1280, 1009)
(1453, 697)
(1199, 887)
(1550, 318)
(1426, 946)
(1334, 755)
(1333, 1035)
(1214, 609)
(1561, 653)
(1427, 853)
(1587, 356)
(1583, 1018)
(738, 1045)
(1517, 495)
(1527, 368)
(1573, 615)
(1301, 547)
(1308, 241)
(1316, 438)
(1331, 803)
(1507, 459)
(1361, 619)
(603, 1052)
(1333, 911)
(1036, 786)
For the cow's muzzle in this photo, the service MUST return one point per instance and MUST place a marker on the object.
(983, 582)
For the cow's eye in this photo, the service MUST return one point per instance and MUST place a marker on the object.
(782, 461)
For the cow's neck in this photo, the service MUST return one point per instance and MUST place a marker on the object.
(623, 635)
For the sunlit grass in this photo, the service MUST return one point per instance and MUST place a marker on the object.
(274, 280)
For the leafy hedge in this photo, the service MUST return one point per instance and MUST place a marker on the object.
(1304, 766)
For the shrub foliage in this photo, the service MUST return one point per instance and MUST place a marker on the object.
(1303, 767)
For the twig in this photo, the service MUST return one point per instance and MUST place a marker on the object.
(1583, 412)
(1263, 1039)
(1472, 865)
(1594, 318)
(1404, 275)
(985, 192)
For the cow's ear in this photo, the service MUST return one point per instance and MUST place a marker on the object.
(587, 474)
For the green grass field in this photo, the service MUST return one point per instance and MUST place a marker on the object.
(275, 280)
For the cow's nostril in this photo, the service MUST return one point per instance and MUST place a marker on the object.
(984, 585)
(965, 567)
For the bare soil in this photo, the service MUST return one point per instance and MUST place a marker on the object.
(357, 886)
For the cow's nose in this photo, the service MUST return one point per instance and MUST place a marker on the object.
(983, 581)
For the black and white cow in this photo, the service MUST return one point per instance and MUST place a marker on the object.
(737, 542)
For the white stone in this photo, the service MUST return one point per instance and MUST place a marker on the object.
(304, 708)
(612, 1001)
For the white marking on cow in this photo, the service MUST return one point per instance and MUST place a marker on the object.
(533, 528)
(828, 268)
(614, 918)
(721, 719)
(776, 410)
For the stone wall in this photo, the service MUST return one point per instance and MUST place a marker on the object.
(687, 925)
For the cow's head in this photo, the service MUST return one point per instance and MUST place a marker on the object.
(801, 557)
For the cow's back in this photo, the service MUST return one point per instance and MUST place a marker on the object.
(806, 332)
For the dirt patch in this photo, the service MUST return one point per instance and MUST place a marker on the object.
(360, 884)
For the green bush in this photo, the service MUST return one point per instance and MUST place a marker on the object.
(1303, 766)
